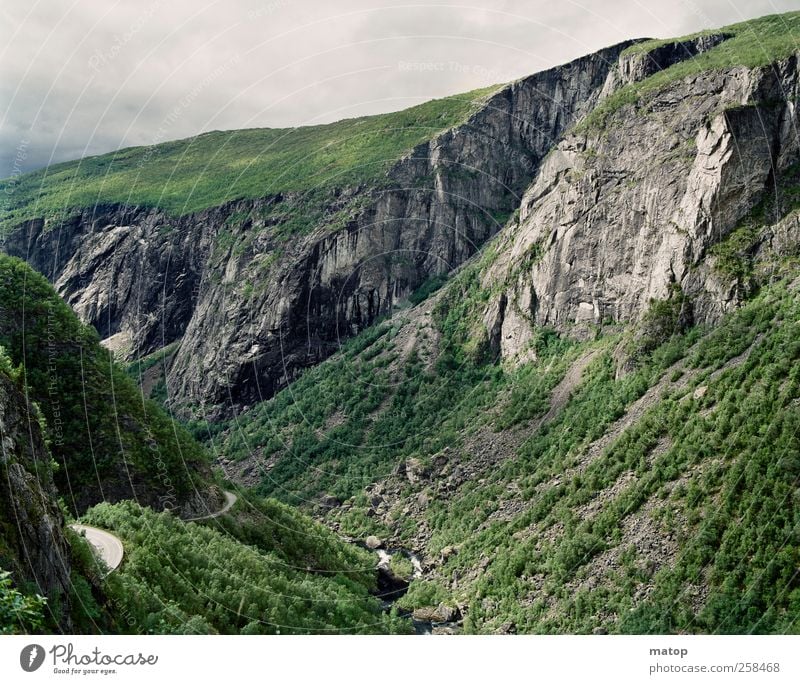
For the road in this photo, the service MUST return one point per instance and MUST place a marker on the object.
(108, 547)
(230, 499)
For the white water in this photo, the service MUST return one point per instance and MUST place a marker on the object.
(385, 558)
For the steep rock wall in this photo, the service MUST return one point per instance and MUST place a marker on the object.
(256, 307)
(628, 212)
(33, 545)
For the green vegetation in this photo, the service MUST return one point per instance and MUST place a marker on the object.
(654, 496)
(137, 368)
(753, 43)
(420, 403)
(427, 288)
(401, 567)
(707, 468)
(100, 430)
(663, 319)
(734, 256)
(187, 578)
(19, 613)
(208, 170)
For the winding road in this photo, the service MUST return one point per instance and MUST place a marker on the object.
(109, 547)
(230, 499)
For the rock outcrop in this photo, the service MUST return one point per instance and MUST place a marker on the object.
(629, 211)
(33, 545)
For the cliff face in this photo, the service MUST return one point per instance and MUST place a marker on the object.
(124, 270)
(252, 307)
(630, 210)
(33, 545)
(619, 210)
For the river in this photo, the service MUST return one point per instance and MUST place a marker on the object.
(391, 588)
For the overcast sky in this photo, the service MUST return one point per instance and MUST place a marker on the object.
(80, 77)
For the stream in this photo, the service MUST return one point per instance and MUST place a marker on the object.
(391, 588)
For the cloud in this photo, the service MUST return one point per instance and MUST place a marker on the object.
(91, 76)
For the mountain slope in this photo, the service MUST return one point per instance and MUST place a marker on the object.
(33, 545)
(268, 570)
(264, 569)
(110, 444)
(657, 500)
(592, 426)
(209, 170)
(580, 408)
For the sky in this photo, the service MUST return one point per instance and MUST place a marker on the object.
(82, 77)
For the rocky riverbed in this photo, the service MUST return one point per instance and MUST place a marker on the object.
(392, 585)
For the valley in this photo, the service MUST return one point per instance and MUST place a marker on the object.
(522, 361)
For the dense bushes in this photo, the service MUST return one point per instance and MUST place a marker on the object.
(189, 578)
(712, 477)
(19, 613)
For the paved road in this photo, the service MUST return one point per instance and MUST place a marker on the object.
(108, 547)
(230, 499)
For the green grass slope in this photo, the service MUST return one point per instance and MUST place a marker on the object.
(208, 170)
(753, 43)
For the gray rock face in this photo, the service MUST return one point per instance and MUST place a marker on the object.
(622, 215)
(32, 521)
(608, 219)
(125, 270)
(252, 309)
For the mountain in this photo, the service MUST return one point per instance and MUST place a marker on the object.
(540, 340)
(76, 434)
(592, 426)
(311, 234)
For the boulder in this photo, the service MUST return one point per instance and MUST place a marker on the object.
(425, 614)
(507, 628)
(446, 613)
(447, 552)
(329, 502)
(415, 470)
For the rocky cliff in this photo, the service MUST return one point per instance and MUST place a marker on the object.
(33, 546)
(629, 209)
(253, 307)
(622, 170)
